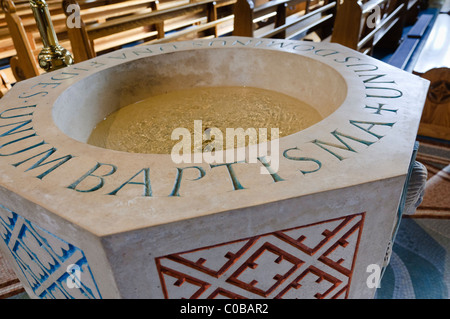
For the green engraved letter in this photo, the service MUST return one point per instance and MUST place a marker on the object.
(146, 183)
(90, 174)
(345, 146)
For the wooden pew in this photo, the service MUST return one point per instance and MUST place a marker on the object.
(218, 23)
(214, 22)
(433, 64)
(26, 38)
(24, 64)
(355, 25)
(92, 39)
(22, 10)
(27, 42)
(5, 84)
(92, 14)
(96, 11)
(55, 7)
(288, 19)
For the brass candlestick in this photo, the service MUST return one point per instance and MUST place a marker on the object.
(53, 56)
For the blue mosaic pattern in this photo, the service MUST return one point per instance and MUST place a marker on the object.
(44, 259)
(420, 264)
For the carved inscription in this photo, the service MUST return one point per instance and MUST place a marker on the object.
(24, 149)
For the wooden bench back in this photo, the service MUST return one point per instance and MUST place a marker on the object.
(356, 25)
(82, 46)
(22, 34)
(291, 18)
(92, 8)
(145, 26)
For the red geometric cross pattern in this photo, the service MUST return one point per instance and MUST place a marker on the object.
(309, 261)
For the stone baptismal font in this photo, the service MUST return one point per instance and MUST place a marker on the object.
(119, 177)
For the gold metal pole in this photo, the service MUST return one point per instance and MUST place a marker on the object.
(53, 56)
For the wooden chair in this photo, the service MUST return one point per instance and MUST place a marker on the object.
(288, 19)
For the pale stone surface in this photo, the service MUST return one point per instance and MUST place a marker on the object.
(116, 208)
